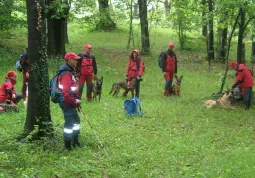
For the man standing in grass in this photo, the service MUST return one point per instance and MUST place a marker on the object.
(243, 79)
(68, 84)
(169, 67)
(87, 70)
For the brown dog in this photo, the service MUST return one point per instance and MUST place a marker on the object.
(176, 88)
(223, 102)
(124, 85)
(97, 89)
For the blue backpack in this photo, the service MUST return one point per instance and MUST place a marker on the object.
(55, 93)
(132, 107)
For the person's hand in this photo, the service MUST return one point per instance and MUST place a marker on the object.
(94, 77)
(126, 77)
(27, 75)
(164, 73)
(13, 96)
(138, 78)
(77, 101)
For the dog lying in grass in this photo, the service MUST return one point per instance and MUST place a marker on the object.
(223, 102)
(124, 85)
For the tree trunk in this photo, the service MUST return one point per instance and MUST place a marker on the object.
(105, 23)
(131, 35)
(167, 8)
(211, 35)
(57, 31)
(223, 49)
(144, 26)
(38, 111)
(204, 20)
(136, 10)
(253, 47)
(240, 58)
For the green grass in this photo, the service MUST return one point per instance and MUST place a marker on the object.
(177, 137)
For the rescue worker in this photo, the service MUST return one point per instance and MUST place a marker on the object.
(68, 84)
(243, 79)
(8, 94)
(25, 72)
(135, 68)
(87, 70)
(169, 67)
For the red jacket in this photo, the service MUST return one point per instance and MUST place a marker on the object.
(169, 62)
(88, 64)
(7, 89)
(244, 76)
(68, 83)
(135, 67)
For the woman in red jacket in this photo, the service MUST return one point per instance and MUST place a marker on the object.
(243, 79)
(135, 68)
(7, 91)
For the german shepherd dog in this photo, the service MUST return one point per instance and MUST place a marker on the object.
(176, 88)
(124, 85)
(223, 102)
(97, 89)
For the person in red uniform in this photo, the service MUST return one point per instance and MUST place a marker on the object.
(243, 79)
(25, 72)
(169, 67)
(8, 94)
(135, 68)
(68, 84)
(87, 70)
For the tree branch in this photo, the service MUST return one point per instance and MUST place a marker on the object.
(246, 24)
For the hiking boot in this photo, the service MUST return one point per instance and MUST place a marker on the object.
(76, 142)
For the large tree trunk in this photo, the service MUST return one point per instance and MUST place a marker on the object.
(223, 49)
(144, 26)
(57, 30)
(105, 23)
(131, 35)
(240, 58)
(38, 111)
(211, 35)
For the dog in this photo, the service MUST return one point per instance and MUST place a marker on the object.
(124, 85)
(176, 88)
(223, 102)
(97, 89)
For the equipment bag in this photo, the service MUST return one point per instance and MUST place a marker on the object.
(55, 93)
(20, 62)
(132, 107)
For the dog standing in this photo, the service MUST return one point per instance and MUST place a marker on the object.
(124, 85)
(97, 89)
(176, 88)
(223, 102)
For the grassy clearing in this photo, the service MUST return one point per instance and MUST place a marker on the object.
(177, 137)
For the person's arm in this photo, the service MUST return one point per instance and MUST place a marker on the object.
(66, 81)
(175, 70)
(239, 78)
(128, 68)
(163, 62)
(94, 65)
(141, 67)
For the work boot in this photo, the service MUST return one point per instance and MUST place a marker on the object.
(68, 145)
(76, 142)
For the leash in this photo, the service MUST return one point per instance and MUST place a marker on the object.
(84, 115)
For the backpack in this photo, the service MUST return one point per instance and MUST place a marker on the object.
(160, 58)
(55, 93)
(132, 107)
(20, 62)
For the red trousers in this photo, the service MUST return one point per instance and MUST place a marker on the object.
(88, 79)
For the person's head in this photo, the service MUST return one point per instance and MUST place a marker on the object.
(12, 75)
(135, 54)
(171, 46)
(233, 65)
(87, 48)
(72, 59)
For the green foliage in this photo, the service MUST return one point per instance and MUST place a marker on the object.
(177, 137)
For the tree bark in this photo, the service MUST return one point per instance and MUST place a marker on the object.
(105, 23)
(57, 31)
(144, 26)
(240, 58)
(211, 55)
(38, 111)
(204, 20)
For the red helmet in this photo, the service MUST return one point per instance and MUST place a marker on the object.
(12, 74)
(233, 64)
(71, 55)
(87, 46)
(171, 44)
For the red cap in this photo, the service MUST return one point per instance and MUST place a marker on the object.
(88, 46)
(171, 44)
(233, 64)
(71, 55)
(12, 74)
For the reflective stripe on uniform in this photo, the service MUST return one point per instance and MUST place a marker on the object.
(68, 130)
(60, 86)
(74, 88)
(76, 127)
